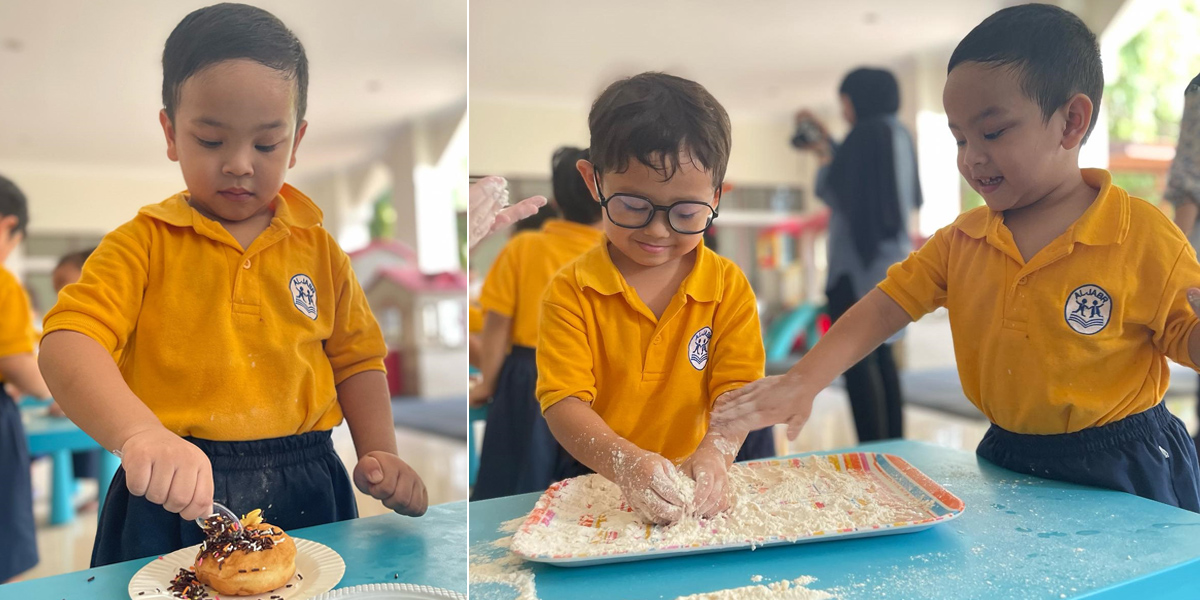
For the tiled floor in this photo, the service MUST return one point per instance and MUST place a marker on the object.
(442, 463)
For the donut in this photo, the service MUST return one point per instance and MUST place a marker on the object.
(258, 559)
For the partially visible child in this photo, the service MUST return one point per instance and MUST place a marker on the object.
(1066, 295)
(86, 463)
(642, 334)
(519, 453)
(243, 333)
(18, 366)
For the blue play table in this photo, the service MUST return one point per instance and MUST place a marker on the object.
(1021, 537)
(429, 550)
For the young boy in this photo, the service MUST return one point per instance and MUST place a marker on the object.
(519, 454)
(1066, 295)
(18, 366)
(642, 334)
(244, 335)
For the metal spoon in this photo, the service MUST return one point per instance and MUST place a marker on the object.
(220, 509)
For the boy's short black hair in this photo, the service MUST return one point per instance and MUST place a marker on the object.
(228, 32)
(571, 192)
(1054, 52)
(75, 259)
(13, 203)
(653, 118)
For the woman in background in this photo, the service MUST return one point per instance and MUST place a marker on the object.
(870, 184)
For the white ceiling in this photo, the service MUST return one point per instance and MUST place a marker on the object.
(81, 80)
(755, 56)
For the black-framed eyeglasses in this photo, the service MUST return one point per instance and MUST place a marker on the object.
(631, 211)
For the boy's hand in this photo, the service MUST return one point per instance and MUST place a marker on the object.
(648, 487)
(770, 400)
(480, 395)
(167, 470)
(708, 468)
(489, 211)
(385, 477)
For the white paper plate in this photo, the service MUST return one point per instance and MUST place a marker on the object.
(320, 567)
(391, 591)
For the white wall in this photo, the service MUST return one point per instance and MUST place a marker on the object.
(86, 199)
(518, 139)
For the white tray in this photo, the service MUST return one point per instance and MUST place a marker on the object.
(894, 476)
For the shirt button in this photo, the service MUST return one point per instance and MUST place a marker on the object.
(657, 339)
(1023, 281)
(246, 265)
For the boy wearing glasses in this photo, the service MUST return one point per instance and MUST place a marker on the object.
(640, 336)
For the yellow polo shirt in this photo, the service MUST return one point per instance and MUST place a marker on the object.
(16, 323)
(474, 319)
(517, 280)
(221, 343)
(1078, 337)
(652, 380)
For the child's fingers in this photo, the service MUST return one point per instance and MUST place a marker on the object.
(202, 497)
(183, 489)
(703, 499)
(137, 475)
(795, 424)
(367, 473)
(716, 498)
(160, 482)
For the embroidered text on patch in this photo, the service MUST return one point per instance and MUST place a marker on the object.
(1088, 309)
(304, 295)
(698, 348)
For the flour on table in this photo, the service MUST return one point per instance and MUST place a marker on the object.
(492, 563)
(794, 589)
(787, 500)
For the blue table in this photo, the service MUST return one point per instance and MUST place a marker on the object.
(1020, 537)
(430, 550)
(58, 437)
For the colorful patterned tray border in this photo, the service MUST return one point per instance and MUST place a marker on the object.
(887, 469)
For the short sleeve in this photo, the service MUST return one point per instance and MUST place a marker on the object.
(356, 344)
(106, 301)
(499, 293)
(15, 317)
(565, 365)
(918, 283)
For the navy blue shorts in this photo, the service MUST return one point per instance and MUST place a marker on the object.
(1148, 454)
(297, 481)
(18, 552)
(519, 453)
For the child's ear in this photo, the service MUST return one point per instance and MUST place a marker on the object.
(169, 131)
(296, 142)
(726, 187)
(587, 171)
(1079, 118)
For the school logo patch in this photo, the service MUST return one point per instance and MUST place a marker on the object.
(304, 295)
(1088, 309)
(698, 348)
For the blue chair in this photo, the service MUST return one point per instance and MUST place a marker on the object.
(476, 414)
(58, 437)
(783, 332)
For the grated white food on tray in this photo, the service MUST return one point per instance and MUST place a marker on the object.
(795, 589)
(504, 569)
(783, 500)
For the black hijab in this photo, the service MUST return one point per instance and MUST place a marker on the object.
(863, 173)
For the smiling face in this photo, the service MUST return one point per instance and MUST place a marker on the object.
(235, 137)
(657, 243)
(1007, 150)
